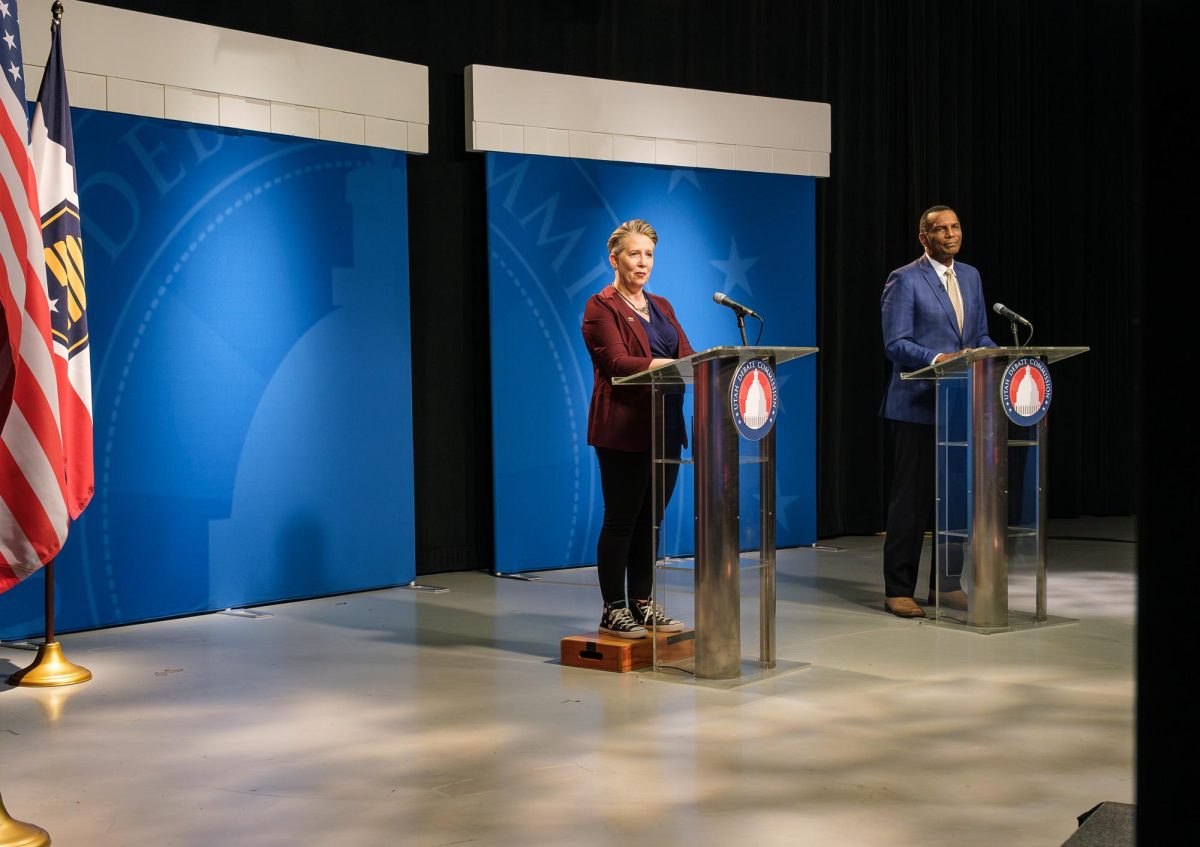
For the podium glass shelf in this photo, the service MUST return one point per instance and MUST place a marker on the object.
(687, 564)
(683, 371)
(744, 459)
(1013, 532)
(959, 364)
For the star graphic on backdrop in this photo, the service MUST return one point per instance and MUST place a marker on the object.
(781, 378)
(10, 40)
(735, 268)
(15, 71)
(679, 175)
(54, 305)
(782, 502)
(3, 10)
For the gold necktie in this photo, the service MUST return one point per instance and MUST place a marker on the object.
(955, 296)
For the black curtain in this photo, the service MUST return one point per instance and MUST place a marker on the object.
(1168, 579)
(1021, 115)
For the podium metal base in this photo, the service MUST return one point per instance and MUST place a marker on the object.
(1017, 622)
(51, 668)
(684, 671)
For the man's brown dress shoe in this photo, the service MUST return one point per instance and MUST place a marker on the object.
(954, 599)
(903, 607)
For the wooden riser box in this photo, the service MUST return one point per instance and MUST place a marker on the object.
(621, 655)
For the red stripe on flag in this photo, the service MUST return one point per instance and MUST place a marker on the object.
(77, 442)
(40, 417)
(25, 506)
(18, 154)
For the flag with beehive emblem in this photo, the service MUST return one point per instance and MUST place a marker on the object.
(53, 151)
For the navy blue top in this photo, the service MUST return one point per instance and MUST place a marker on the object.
(664, 344)
(664, 339)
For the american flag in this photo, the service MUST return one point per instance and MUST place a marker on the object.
(33, 502)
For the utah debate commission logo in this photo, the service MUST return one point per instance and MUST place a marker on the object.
(1025, 390)
(754, 399)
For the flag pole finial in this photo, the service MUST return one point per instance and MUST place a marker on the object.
(56, 10)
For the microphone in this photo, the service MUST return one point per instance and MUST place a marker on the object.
(1001, 309)
(737, 307)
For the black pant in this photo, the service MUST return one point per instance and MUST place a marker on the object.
(626, 549)
(910, 513)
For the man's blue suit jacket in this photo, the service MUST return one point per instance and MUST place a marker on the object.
(919, 323)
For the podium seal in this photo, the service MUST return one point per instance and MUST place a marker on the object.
(1025, 390)
(754, 399)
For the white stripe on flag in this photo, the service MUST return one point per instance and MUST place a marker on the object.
(14, 111)
(27, 452)
(40, 362)
(14, 546)
(79, 372)
(16, 199)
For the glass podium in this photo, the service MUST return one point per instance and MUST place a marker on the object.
(718, 450)
(990, 528)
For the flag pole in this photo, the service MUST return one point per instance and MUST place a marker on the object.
(14, 833)
(51, 668)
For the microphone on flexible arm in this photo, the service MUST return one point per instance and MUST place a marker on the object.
(722, 300)
(1014, 319)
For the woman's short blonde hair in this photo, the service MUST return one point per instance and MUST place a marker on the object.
(616, 241)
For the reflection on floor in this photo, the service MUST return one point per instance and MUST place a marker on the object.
(395, 717)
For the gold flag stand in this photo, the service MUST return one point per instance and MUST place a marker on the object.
(51, 668)
(15, 833)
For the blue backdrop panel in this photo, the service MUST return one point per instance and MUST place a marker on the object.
(248, 305)
(748, 235)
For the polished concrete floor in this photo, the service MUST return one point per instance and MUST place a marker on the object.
(403, 718)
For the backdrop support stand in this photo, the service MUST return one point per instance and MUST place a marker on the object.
(51, 668)
(429, 589)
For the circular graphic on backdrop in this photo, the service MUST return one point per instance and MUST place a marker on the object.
(1025, 390)
(754, 399)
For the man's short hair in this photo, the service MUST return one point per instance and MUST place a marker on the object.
(923, 225)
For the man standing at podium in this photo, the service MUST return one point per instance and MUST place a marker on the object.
(932, 309)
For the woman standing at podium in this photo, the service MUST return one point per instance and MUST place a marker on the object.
(627, 330)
